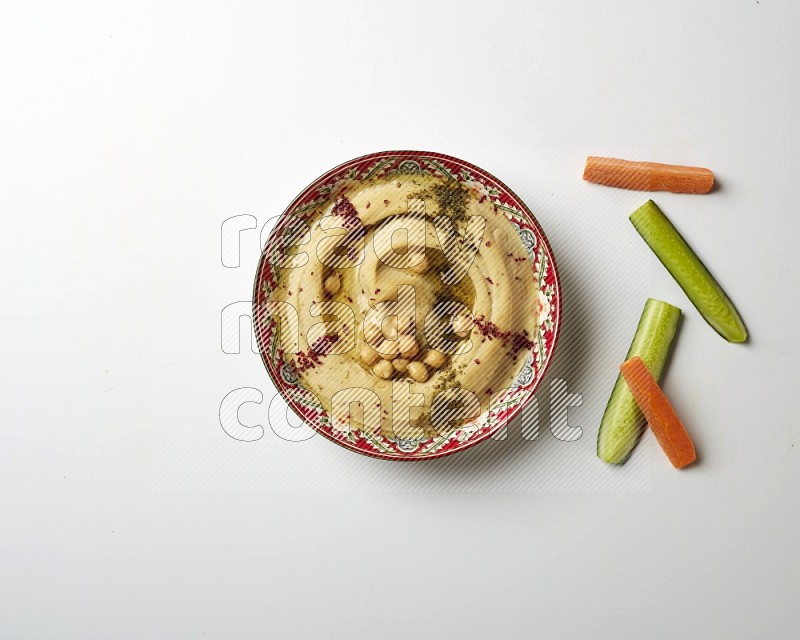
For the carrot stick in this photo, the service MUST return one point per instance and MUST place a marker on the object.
(647, 176)
(664, 422)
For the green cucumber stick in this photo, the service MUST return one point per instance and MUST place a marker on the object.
(623, 423)
(689, 271)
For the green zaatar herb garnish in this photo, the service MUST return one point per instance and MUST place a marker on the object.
(452, 200)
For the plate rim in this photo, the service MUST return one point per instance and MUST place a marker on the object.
(542, 236)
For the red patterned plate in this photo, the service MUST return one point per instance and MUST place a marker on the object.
(285, 366)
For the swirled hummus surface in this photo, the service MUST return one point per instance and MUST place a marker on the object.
(415, 301)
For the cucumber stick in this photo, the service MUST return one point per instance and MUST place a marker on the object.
(623, 423)
(689, 272)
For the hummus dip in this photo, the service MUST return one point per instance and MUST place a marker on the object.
(407, 305)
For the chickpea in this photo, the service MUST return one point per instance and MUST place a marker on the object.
(389, 350)
(368, 355)
(421, 267)
(332, 284)
(383, 369)
(390, 327)
(372, 333)
(400, 364)
(435, 359)
(417, 371)
(462, 325)
(407, 346)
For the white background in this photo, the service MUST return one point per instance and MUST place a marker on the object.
(129, 132)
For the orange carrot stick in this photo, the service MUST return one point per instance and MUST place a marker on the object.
(665, 424)
(647, 176)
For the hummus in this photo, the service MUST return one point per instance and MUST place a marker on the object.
(415, 304)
